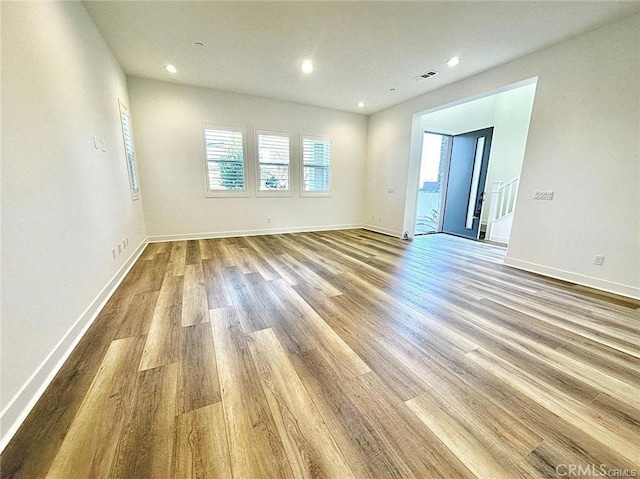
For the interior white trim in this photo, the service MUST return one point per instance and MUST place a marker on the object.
(16, 411)
(209, 193)
(315, 194)
(499, 239)
(384, 231)
(260, 232)
(581, 279)
(256, 140)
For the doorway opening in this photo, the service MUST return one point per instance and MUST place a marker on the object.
(434, 166)
(483, 201)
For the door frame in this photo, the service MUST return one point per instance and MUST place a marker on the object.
(415, 151)
(445, 180)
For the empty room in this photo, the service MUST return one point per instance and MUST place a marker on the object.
(264, 239)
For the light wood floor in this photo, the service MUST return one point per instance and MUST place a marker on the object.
(341, 354)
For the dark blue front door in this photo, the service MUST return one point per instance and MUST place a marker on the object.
(467, 178)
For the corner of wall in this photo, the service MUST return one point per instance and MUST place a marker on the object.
(581, 279)
(17, 410)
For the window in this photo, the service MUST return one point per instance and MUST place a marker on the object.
(274, 164)
(316, 166)
(225, 161)
(127, 137)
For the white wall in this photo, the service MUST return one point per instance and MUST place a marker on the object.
(65, 205)
(583, 143)
(469, 116)
(168, 119)
(512, 114)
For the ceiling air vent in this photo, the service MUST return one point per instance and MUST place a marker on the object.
(425, 75)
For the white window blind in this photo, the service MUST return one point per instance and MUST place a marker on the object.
(125, 120)
(224, 160)
(274, 163)
(316, 165)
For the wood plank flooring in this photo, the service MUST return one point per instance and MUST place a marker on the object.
(341, 354)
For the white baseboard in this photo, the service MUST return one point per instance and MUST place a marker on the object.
(499, 239)
(16, 411)
(384, 231)
(581, 279)
(231, 234)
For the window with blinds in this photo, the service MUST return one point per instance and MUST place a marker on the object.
(127, 137)
(316, 166)
(225, 165)
(274, 162)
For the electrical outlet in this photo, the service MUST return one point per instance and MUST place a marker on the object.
(543, 195)
(598, 260)
(268, 220)
(379, 219)
(119, 248)
(124, 243)
(113, 253)
(127, 240)
(373, 218)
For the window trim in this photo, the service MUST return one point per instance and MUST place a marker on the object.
(274, 193)
(243, 193)
(134, 189)
(315, 194)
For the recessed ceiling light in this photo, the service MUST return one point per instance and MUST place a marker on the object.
(307, 66)
(454, 61)
(171, 69)
(360, 104)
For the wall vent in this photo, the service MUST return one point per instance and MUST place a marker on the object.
(426, 75)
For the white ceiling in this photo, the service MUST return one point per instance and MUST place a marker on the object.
(360, 49)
